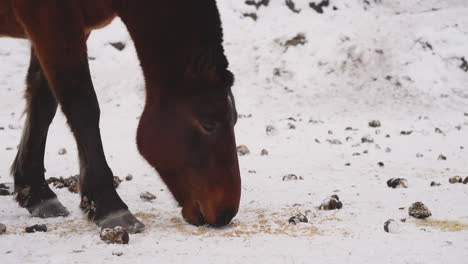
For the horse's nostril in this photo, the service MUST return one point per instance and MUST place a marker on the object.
(224, 217)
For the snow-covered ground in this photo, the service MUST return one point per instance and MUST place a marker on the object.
(399, 62)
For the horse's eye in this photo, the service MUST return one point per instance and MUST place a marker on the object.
(209, 127)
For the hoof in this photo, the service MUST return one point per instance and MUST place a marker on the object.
(40, 201)
(124, 219)
(48, 208)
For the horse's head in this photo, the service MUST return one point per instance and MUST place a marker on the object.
(188, 136)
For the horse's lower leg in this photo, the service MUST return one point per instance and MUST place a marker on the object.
(32, 191)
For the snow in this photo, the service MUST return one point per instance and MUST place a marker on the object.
(393, 61)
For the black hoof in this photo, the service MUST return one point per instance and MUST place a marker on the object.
(124, 219)
(48, 208)
(40, 201)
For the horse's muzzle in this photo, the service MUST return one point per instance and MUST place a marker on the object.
(196, 214)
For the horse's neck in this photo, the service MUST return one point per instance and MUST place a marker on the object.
(169, 33)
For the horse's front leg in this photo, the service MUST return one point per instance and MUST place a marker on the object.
(32, 191)
(57, 31)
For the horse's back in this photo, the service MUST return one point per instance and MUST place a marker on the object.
(94, 14)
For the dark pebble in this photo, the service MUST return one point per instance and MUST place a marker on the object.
(299, 218)
(36, 228)
(116, 235)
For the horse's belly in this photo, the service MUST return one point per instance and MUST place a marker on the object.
(97, 14)
(9, 26)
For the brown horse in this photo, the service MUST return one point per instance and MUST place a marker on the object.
(185, 131)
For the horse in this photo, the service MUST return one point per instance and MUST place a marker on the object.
(186, 130)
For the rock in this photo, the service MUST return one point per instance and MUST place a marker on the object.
(419, 210)
(438, 130)
(466, 180)
(331, 203)
(264, 152)
(118, 254)
(36, 228)
(4, 191)
(380, 164)
(71, 183)
(292, 177)
(270, 130)
(334, 141)
(367, 139)
(299, 39)
(375, 123)
(455, 179)
(129, 177)
(3, 229)
(299, 218)
(117, 181)
(252, 15)
(242, 150)
(406, 133)
(291, 126)
(116, 235)
(118, 45)
(62, 151)
(419, 155)
(397, 183)
(442, 157)
(391, 226)
(435, 184)
(147, 196)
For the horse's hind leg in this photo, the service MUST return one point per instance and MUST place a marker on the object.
(56, 28)
(32, 191)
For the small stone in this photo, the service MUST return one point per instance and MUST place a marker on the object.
(242, 150)
(455, 179)
(62, 151)
(403, 220)
(438, 130)
(406, 133)
(3, 229)
(117, 181)
(380, 164)
(147, 196)
(264, 152)
(116, 235)
(118, 254)
(291, 126)
(71, 183)
(129, 177)
(367, 139)
(118, 45)
(331, 203)
(466, 180)
(347, 164)
(434, 184)
(388, 150)
(4, 191)
(299, 218)
(292, 177)
(397, 183)
(36, 228)
(442, 157)
(334, 141)
(330, 132)
(375, 123)
(419, 210)
(391, 226)
(270, 130)
(419, 155)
